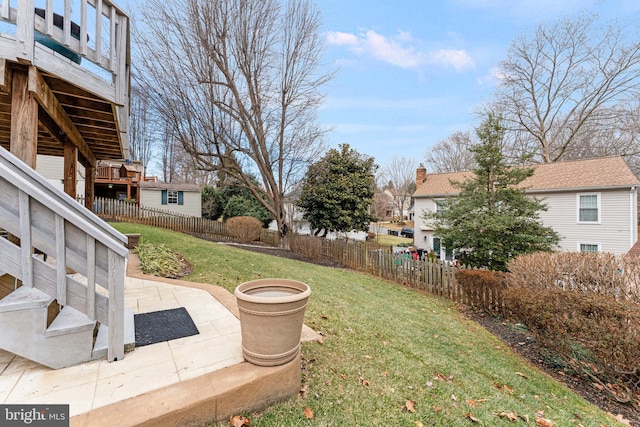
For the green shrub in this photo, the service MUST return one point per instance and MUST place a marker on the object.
(245, 228)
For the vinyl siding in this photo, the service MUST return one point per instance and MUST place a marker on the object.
(423, 239)
(153, 198)
(52, 168)
(616, 232)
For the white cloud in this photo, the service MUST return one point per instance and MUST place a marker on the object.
(338, 38)
(458, 59)
(399, 50)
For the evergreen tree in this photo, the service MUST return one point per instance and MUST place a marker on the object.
(492, 220)
(338, 190)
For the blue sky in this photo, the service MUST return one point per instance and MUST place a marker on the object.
(412, 72)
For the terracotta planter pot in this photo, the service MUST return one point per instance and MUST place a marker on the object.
(271, 318)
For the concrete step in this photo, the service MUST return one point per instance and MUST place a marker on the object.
(102, 341)
(25, 298)
(69, 321)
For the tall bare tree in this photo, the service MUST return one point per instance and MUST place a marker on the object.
(400, 172)
(451, 154)
(563, 82)
(239, 81)
(141, 127)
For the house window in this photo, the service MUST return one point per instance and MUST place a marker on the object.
(589, 208)
(441, 207)
(589, 247)
(172, 197)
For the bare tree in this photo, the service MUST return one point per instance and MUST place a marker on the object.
(400, 172)
(451, 154)
(565, 81)
(239, 82)
(141, 127)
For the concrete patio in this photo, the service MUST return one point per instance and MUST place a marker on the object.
(188, 381)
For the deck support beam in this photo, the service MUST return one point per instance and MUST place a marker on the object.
(70, 168)
(49, 103)
(24, 118)
(89, 184)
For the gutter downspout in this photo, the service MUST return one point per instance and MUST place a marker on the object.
(633, 229)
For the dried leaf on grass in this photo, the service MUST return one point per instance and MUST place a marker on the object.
(410, 405)
(511, 416)
(308, 412)
(472, 418)
(239, 421)
(543, 422)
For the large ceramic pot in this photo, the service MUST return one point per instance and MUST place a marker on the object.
(271, 319)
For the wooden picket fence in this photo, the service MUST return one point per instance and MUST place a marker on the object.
(118, 210)
(430, 275)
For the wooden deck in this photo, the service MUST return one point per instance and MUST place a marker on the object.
(85, 103)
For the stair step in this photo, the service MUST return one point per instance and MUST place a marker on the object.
(25, 298)
(69, 321)
(102, 341)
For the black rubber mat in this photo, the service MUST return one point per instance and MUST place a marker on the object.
(164, 325)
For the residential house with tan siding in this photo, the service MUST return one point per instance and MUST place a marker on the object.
(592, 204)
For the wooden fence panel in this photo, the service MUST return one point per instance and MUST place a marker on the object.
(433, 276)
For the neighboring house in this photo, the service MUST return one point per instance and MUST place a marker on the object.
(393, 206)
(52, 168)
(301, 226)
(592, 204)
(119, 179)
(179, 198)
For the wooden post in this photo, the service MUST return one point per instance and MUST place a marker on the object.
(70, 168)
(24, 119)
(89, 184)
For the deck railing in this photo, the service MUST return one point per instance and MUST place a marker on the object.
(55, 35)
(74, 239)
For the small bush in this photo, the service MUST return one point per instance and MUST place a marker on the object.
(308, 246)
(595, 273)
(591, 330)
(245, 228)
(160, 261)
(482, 288)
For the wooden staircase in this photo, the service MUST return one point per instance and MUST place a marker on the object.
(55, 306)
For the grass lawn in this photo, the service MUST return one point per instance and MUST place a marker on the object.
(386, 349)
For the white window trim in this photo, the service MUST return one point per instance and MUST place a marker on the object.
(589, 243)
(599, 198)
(169, 202)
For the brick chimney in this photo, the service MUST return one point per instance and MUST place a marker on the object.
(421, 175)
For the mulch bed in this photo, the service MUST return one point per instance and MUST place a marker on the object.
(523, 344)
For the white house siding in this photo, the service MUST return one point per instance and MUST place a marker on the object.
(423, 235)
(153, 198)
(615, 233)
(52, 168)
